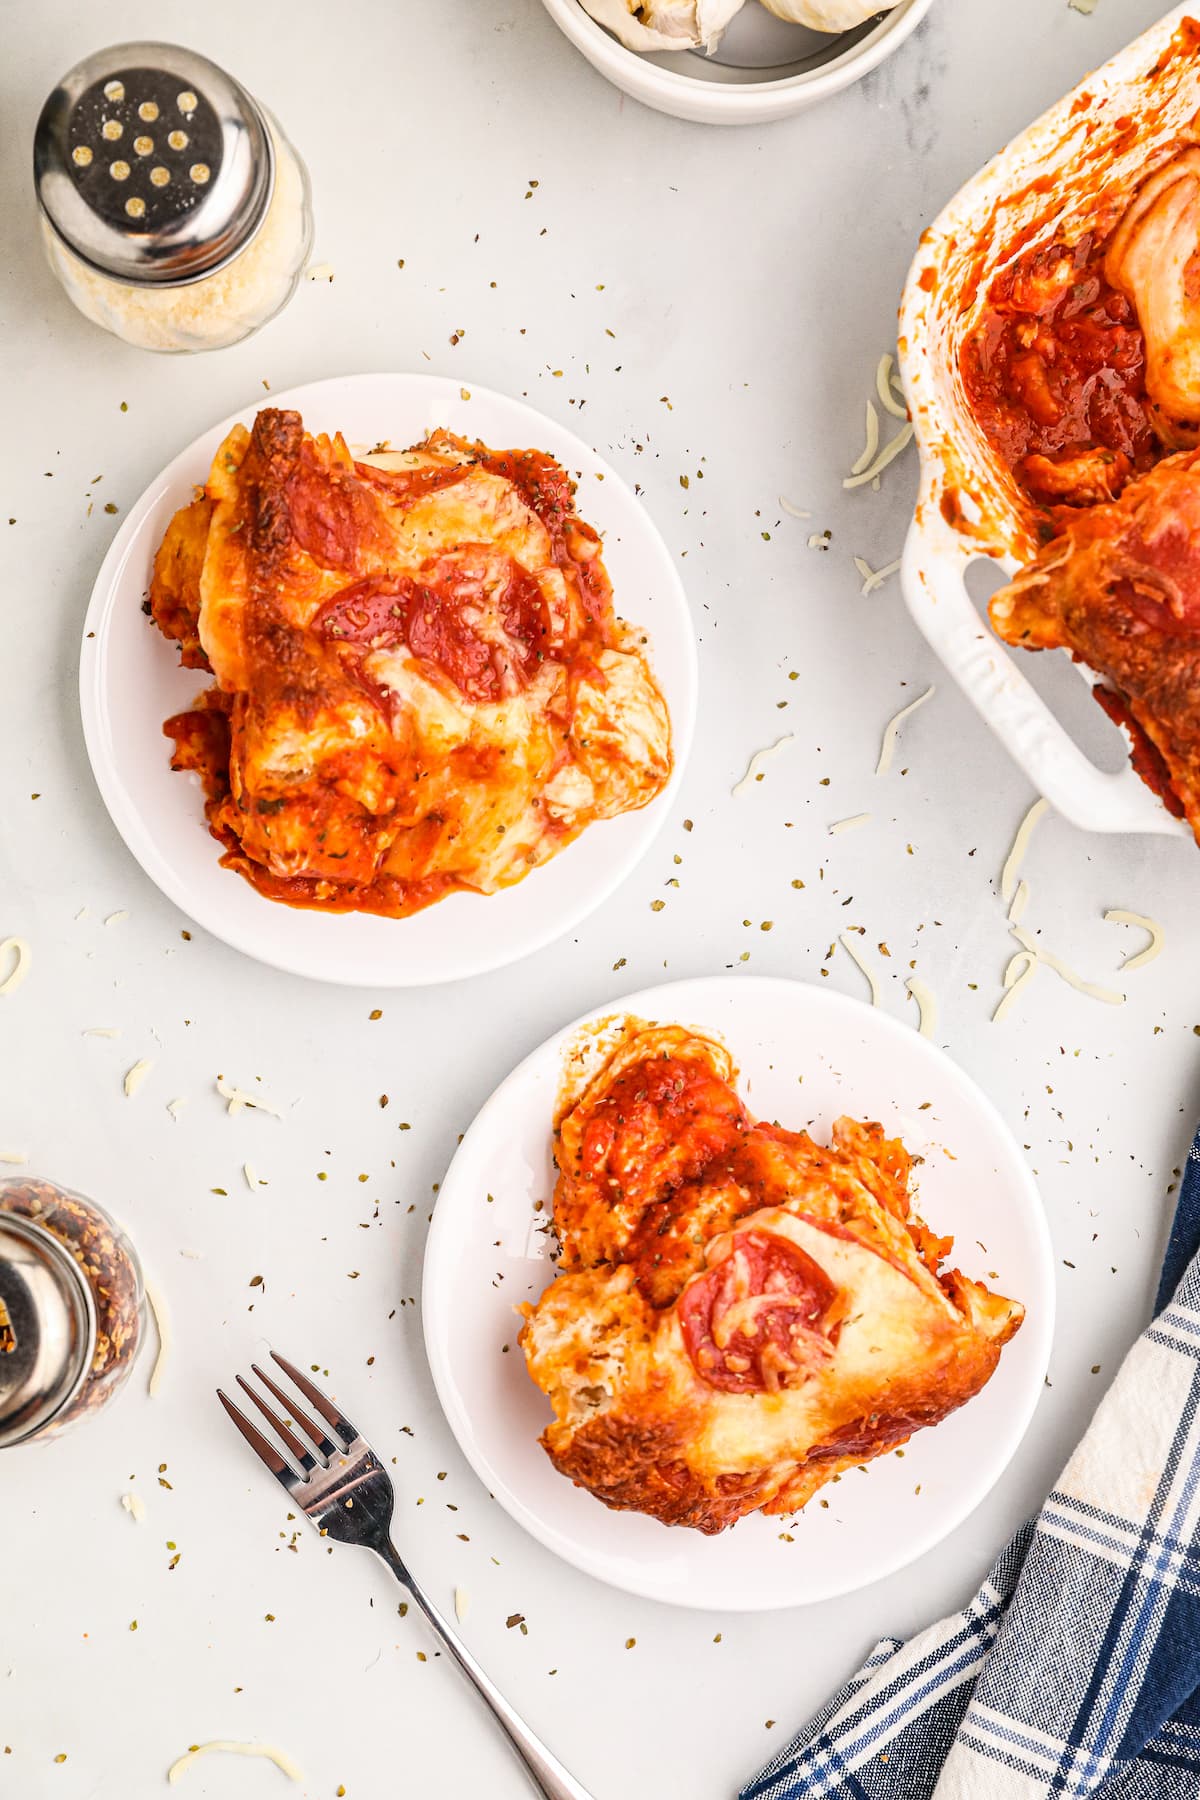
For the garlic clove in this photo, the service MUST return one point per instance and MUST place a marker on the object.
(665, 24)
(828, 15)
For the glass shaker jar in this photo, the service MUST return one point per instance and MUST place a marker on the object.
(173, 209)
(72, 1308)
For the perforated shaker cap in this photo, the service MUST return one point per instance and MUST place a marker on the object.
(152, 164)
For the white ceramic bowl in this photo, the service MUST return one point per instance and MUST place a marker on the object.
(763, 70)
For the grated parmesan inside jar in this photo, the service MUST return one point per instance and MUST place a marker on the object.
(173, 208)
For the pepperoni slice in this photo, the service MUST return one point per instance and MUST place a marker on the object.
(480, 617)
(372, 612)
(543, 484)
(333, 513)
(761, 1317)
(403, 486)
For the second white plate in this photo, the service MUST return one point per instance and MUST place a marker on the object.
(806, 1055)
(130, 681)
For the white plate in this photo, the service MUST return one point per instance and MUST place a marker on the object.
(130, 681)
(764, 68)
(806, 1055)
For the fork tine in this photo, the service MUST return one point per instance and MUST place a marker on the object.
(320, 1439)
(312, 1393)
(303, 1455)
(265, 1452)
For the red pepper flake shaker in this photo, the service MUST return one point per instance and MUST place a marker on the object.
(72, 1308)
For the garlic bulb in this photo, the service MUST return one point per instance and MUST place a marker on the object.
(666, 24)
(829, 15)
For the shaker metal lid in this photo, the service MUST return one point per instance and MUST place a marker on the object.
(152, 164)
(47, 1328)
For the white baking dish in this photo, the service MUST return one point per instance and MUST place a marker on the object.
(1079, 164)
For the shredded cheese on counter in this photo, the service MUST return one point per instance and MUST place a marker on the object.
(231, 1748)
(1016, 856)
(926, 1006)
(251, 1174)
(874, 578)
(871, 447)
(1117, 915)
(135, 1506)
(755, 766)
(461, 1603)
(1062, 969)
(14, 1156)
(1020, 972)
(134, 1077)
(1020, 901)
(887, 386)
(175, 1107)
(115, 918)
(237, 1099)
(849, 824)
(793, 512)
(856, 956)
(101, 1031)
(20, 968)
(162, 1325)
(891, 730)
(887, 455)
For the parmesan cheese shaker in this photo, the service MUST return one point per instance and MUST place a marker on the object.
(173, 209)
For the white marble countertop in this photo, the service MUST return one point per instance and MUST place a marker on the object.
(750, 281)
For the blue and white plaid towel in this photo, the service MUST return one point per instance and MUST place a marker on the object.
(1076, 1667)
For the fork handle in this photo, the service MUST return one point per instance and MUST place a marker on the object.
(547, 1774)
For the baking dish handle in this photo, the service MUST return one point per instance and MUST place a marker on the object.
(933, 572)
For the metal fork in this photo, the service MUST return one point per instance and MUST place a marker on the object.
(342, 1486)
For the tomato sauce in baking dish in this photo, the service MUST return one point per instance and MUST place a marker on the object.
(1055, 372)
(1083, 373)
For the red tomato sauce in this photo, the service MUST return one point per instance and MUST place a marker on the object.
(202, 740)
(1145, 756)
(661, 1123)
(1055, 370)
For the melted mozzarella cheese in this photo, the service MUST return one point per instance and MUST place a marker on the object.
(441, 718)
(890, 1321)
(621, 732)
